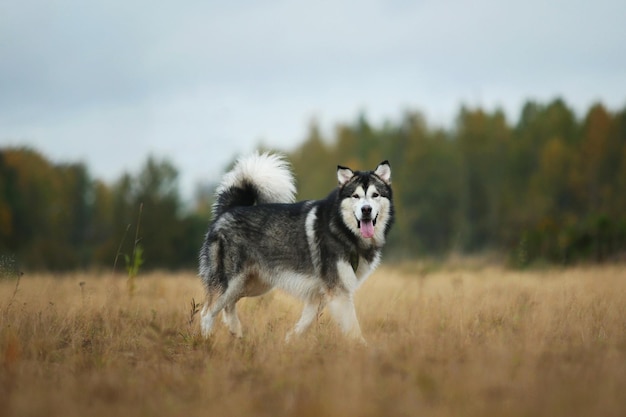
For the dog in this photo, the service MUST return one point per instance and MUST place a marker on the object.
(319, 251)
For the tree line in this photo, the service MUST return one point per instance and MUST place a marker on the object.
(56, 217)
(550, 187)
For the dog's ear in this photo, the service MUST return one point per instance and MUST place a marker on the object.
(383, 170)
(344, 174)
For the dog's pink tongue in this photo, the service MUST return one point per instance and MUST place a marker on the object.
(367, 229)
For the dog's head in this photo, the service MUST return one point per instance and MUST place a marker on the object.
(366, 201)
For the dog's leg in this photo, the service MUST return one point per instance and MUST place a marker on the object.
(206, 323)
(231, 319)
(228, 297)
(341, 308)
(312, 309)
(205, 310)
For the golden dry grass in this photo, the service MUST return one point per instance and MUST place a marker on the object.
(472, 342)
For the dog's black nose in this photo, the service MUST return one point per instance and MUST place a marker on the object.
(366, 210)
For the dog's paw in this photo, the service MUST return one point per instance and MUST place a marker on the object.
(206, 326)
(237, 333)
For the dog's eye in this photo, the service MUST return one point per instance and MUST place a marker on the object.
(355, 196)
(375, 195)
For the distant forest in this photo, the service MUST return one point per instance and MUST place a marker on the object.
(550, 187)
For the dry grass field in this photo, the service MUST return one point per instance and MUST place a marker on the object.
(455, 341)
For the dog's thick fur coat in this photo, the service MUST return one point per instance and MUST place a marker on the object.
(320, 251)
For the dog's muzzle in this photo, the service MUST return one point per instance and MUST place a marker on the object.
(366, 223)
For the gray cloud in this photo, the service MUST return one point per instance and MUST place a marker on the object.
(108, 82)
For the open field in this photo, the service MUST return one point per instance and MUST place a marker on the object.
(463, 341)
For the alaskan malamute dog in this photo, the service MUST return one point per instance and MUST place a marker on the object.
(319, 251)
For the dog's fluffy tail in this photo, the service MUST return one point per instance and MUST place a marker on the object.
(255, 179)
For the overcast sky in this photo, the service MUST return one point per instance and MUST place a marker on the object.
(109, 82)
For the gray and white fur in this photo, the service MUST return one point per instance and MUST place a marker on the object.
(320, 251)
